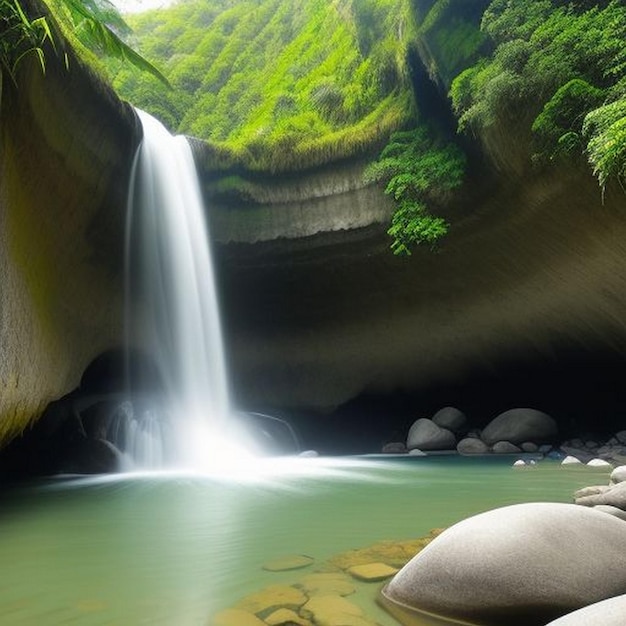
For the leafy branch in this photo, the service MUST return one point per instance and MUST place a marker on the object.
(417, 170)
(96, 24)
(21, 36)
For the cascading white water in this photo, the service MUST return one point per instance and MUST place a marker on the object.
(171, 287)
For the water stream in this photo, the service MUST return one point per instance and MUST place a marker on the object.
(173, 304)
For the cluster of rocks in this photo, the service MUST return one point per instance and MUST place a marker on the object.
(321, 597)
(613, 450)
(512, 432)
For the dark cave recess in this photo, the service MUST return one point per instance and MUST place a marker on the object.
(583, 390)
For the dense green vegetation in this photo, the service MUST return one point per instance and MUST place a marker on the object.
(417, 170)
(278, 84)
(282, 85)
(558, 69)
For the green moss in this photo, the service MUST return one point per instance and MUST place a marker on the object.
(26, 243)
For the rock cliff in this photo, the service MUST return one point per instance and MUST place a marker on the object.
(66, 145)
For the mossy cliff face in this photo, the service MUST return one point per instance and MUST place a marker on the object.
(65, 151)
(538, 264)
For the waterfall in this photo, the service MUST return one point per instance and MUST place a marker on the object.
(173, 310)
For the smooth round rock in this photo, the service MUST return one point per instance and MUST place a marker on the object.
(285, 563)
(424, 434)
(451, 419)
(471, 445)
(600, 463)
(520, 425)
(529, 446)
(505, 447)
(571, 460)
(618, 475)
(521, 565)
(611, 612)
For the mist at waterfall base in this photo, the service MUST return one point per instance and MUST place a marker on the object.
(173, 316)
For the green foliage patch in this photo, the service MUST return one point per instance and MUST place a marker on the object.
(557, 68)
(278, 84)
(418, 170)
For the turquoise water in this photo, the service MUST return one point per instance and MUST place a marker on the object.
(173, 549)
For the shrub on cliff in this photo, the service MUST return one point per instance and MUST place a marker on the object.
(418, 170)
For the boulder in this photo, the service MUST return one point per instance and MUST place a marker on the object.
(471, 445)
(609, 612)
(451, 419)
(599, 463)
(518, 565)
(505, 447)
(571, 460)
(529, 446)
(394, 447)
(613, 496)
(520, 425)
(426, 435)
(618, 475)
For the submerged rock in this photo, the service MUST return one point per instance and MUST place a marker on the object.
(520, 565)
(335, 611)
(271, 599)
(236, 617)
(372, 572)
(333, 583)
(292, 561)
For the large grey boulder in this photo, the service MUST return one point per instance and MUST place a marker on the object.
(471, 445)
(611, 612)
(505, 447)
(451, 419)
(426, 435)
(520, 425)
(518, 565)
